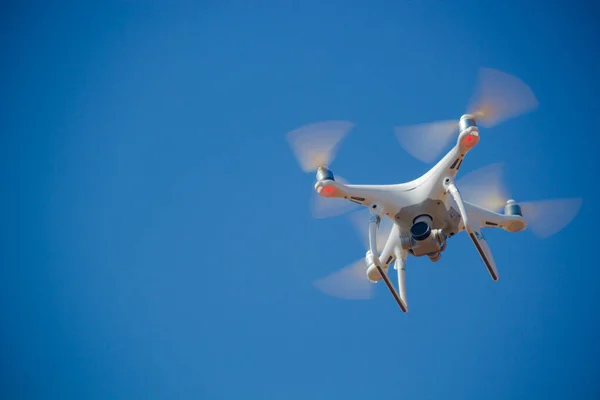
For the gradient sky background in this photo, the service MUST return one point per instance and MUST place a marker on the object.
(157, 241)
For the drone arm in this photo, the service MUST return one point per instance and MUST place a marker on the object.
(483, 216)
(490, 219)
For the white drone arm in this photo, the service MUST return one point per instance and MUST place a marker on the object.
(491, 219)
(474, 231)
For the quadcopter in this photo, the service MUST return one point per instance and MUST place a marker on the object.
(417, 218)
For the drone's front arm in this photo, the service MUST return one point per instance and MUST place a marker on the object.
(365, 195)
(448, 166)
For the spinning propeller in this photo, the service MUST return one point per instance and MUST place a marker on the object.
(498, 97)
(315, 146)
(485, 188)
(351, 281)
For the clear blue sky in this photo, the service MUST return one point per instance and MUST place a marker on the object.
(156, 235)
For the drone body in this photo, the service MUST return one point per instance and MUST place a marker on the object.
(424, 212)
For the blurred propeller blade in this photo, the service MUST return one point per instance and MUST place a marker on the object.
(497, 97)
(348, 283)
(500, 96)
(547, 217)
(360, 221)
(426, 141)
(485, 187)
(326, 207)
(316, 144)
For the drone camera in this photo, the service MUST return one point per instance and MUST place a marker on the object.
(423, 240)
(430, 246)
(420, 231)
(421, 228)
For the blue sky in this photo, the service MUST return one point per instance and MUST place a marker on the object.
(157, 239)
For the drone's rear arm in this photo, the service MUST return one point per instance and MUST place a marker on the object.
(490, 219)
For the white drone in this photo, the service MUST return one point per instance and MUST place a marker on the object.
(425, 212)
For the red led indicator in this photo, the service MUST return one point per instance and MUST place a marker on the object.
(328, 191)
(469, 141)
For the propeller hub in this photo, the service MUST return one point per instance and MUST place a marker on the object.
(466, 121)
(512, 208)
(324, 174)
